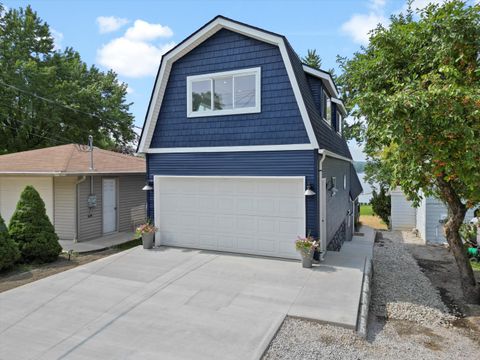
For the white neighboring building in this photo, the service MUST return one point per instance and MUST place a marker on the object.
(428, 218)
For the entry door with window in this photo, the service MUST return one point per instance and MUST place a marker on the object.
(109, 205)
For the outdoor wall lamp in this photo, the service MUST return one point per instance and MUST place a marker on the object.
(148, 186)
(309, 191)
(332, 186)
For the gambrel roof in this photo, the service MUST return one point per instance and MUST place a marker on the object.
(320, 135)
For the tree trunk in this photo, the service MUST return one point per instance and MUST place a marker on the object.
(471, 290)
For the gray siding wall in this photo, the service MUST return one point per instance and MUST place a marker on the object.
(130, 195)
(338, 205)
(89, 221)
(64, 206)
(435, 211)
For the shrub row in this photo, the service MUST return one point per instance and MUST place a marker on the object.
(30, 237)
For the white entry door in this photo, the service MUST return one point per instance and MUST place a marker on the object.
(253, 215)
(109, 205)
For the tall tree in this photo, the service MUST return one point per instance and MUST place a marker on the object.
(49, 97)
(313, 59)
(417, 86)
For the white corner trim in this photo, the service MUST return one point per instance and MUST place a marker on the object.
(192, 42)
(323, 76)
(333, 155)
(340, 102)
(230, 148)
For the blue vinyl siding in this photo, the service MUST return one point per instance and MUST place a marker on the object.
(265, 163)
(316, 88)
(278, 123)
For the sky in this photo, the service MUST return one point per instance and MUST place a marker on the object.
(131, 36)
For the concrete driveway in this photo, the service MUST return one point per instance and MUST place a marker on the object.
(166, 303)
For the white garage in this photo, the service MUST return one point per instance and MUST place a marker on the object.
(252, 215)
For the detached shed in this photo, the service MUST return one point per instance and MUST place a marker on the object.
(87, 193)
(427, 218)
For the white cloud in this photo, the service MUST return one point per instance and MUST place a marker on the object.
(57, 39)
(377, 4)
(108, 24)
(359, 26)
(144, 31)
(134, 55)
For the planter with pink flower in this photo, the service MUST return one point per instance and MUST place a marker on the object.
(306, 247)
(147, 232)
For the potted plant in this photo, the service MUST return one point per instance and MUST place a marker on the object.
(306, 247)
(147, 232)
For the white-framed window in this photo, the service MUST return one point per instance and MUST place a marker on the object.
(340, 123)
(326, 108)
(234, 92)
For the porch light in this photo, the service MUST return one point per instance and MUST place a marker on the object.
(148, 186)
(309, 191)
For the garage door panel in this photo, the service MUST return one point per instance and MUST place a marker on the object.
(260, 216)
(224, 223)
(226, 241)
(267, 225)
(246, 225)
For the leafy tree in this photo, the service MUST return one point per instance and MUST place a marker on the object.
(51, 97)
(31, 228)
(381, 204)
(9, 253)
(417, 86)
(313, 59)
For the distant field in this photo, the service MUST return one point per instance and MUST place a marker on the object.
(366, 210)
(367, 217)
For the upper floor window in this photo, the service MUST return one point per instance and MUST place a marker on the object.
(234, 92)
(339, 123)
(326, 108)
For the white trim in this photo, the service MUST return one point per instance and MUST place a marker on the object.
(333, 155)
(230, 177)
(195, 40)
(340, 102)
(323, 76)
(230, 148)
(233, 74)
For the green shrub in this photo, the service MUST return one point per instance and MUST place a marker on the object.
(9, 253)
(31, 228)
(381, 204)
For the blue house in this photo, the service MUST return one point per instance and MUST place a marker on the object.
(244, 146)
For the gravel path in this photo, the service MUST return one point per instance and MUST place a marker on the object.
(407, 319)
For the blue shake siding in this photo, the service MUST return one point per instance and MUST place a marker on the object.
(278, 123)
(265, 163)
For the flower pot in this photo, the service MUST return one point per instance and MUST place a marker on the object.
(307, 257)
(147, 240)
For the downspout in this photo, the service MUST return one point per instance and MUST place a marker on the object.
(77, 210)
(323, 242)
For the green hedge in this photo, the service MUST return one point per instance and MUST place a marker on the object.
(9, 253)
(32, 230)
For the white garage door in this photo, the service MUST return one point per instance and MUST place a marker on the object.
(261, 216)
(12, 187)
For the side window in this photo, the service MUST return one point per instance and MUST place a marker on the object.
(344, 182)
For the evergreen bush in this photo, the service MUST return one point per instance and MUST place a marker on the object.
(381, 204)
(31, 228)
(9, 253)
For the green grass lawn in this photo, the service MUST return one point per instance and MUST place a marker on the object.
(366, 210)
